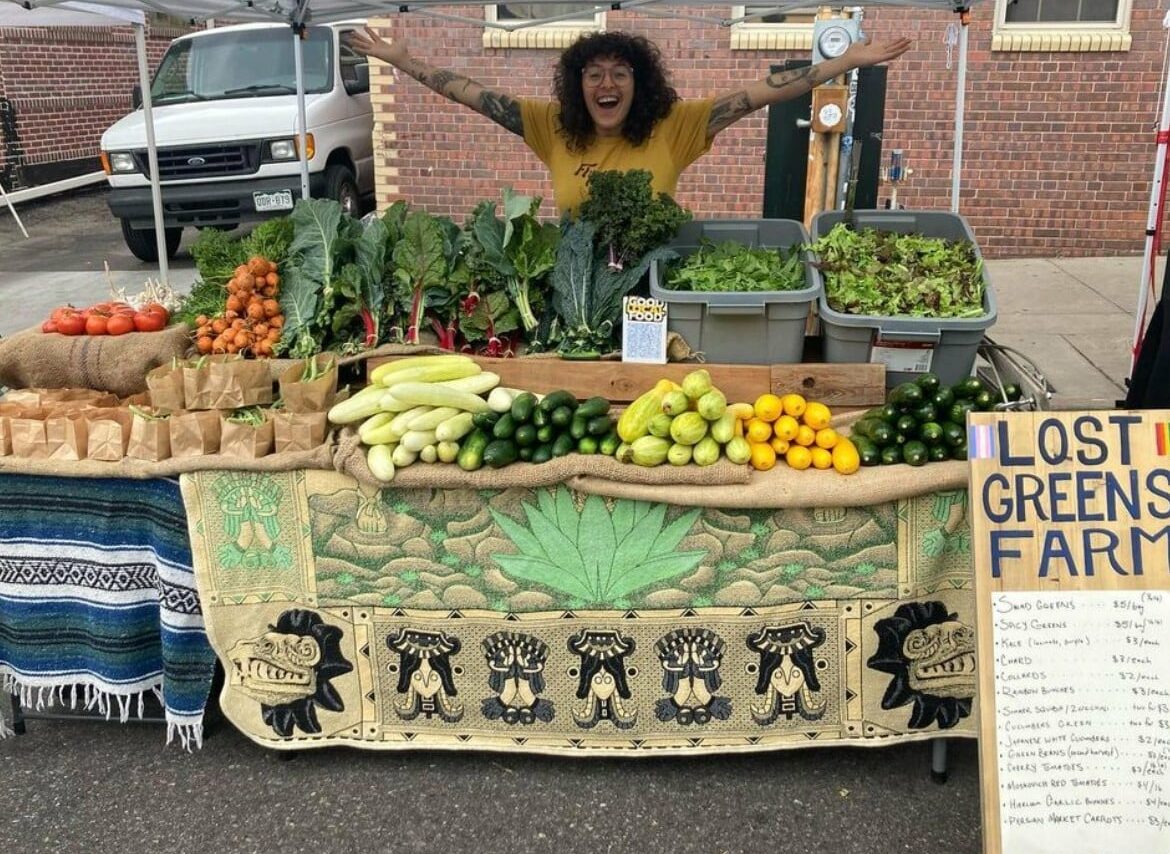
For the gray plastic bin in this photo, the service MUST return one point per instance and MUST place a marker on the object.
(946, 346)
(757, 327)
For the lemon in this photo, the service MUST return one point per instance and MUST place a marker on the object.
(845, 457)
(786, 427)
(794, 405)
(758, 430)
(780, 446)
(768, 407)
(827, 438)
(821, 459)
(763, 457)
(806, 436)
(817, 415)
(798, 457)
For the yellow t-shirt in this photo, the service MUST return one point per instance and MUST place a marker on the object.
(674, 144)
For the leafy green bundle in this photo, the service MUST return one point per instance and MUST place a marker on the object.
(872, 272)
(630, 220)
(733, 267)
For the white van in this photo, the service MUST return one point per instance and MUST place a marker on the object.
(225, 116)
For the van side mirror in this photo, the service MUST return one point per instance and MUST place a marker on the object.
(360, 82)
(136, 97)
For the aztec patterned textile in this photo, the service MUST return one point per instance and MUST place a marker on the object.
(97, 599)
(545, 620)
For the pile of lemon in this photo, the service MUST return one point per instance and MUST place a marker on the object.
(797, 431)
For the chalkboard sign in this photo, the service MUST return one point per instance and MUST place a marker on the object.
(1071, 542)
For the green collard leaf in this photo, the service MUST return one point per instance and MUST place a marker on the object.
(573, 276)
(516, 207)
(538, 571)
(316, 238)
(521, 536)
(627, 580)
(299, 296)
(395, 219)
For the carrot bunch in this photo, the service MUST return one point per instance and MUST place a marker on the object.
(251, 321)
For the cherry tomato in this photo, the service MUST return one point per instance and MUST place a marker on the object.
(149, 321)
(71, 323)
(96, 324)
(49, 326)
(120, 324)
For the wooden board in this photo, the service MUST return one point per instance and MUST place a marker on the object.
(834, 385)
(1071, 545)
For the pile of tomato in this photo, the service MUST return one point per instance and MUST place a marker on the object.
(107, 318)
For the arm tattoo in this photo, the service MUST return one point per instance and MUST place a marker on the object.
(502, 110)
(728, 110)
(780, 79)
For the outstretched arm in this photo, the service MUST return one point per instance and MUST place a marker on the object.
(786, 85)
(501, 109)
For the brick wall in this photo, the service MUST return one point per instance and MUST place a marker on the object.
(65, 86)
(1058, 153)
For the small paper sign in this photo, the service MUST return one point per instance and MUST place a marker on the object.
(644, 330)
(911, 357)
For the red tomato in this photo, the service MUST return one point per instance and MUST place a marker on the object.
(49, 326)
(120, 324)
(71, 323)
(96, 324)
(149, 321)
(57, 312)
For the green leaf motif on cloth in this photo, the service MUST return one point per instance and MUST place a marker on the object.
(595, 555)
(250, 503)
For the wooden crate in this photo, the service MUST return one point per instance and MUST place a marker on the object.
(839, 385)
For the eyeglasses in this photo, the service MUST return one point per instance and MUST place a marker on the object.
(619, 74)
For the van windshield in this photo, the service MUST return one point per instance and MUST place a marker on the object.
(251, 63)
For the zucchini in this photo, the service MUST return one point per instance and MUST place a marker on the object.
(525, 436)
(542, 453)
(485, 420)
(587, 445)
(594, 406)
(431, 394)
(500, 453)
(563, 445)
(412, 362)
(562, 416)
(598, 425)
(557, 399)
(579, 427)
(380, 460)
(522, 406)
(470, 456)
(455, 428)
(505, 427)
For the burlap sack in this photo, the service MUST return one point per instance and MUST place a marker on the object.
(316, 395)
(298, 431)
(226, 382)
(194, 433)
(108, 433)
(165, 384)
(241, 440)
(119, 364)
(150, 438)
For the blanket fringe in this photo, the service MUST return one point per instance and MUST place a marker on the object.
(90, 698)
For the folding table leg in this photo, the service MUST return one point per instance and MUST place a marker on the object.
(938, 760)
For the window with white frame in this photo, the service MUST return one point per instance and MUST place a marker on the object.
(573, 19)
(790, 29)
(1062, 25)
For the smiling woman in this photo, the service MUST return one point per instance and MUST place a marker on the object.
(615, 109)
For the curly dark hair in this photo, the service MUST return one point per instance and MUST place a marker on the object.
(653, 95)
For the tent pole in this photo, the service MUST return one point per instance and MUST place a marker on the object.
(160, 236)
(303, 140)
(960, 107)
(12, 210)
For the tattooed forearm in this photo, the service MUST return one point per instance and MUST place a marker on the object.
(502, 110)
(728, 110)
(806, 75)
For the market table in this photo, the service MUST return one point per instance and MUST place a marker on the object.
(588, 616)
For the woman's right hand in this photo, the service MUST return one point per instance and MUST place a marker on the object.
(369, 43)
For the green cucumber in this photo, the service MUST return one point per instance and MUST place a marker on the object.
(931, 433)
(968, 388)
(485, 420)
(929, 383)
(906, 394)
(527, 453)
(593, 407)
(470, 457)
(542, 453)
(867, 451)
(505, 427)
(609, 444)
(587, 445)
(557, 399)
(562, 416)
(891, 455)
(598, 425)
(939, 453)
(500, 453)
(541, 418)
(924, 412)
(914, 453)
(563, 445)
(907, 425)
(525, 435)
(546, 434)
(522, 407)
(579, 427)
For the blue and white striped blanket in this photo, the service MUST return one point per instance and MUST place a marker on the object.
(98, 601)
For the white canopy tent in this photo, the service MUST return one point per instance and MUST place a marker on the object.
(299, 13)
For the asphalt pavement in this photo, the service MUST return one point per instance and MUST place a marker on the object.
(81, 786)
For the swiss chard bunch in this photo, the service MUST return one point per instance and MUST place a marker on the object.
(425, 258)
(629, 218)
(588, 291)
(733, 267)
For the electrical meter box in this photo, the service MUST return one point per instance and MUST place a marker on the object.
(832, 37)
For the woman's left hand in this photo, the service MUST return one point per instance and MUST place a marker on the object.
(863, 53)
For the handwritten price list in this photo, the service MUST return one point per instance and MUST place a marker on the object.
(1082, 695)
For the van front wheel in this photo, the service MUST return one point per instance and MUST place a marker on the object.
(142, 243)
(341, 186)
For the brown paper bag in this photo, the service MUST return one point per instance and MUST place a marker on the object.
(245, 441)
(315, 395)
(57, 437)
(109, 433)
(28, 438)
(9, 411)
(226, 382)
(298, 431)
(165, 386)
(194, 434)
(150, 437)
(62, 399)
